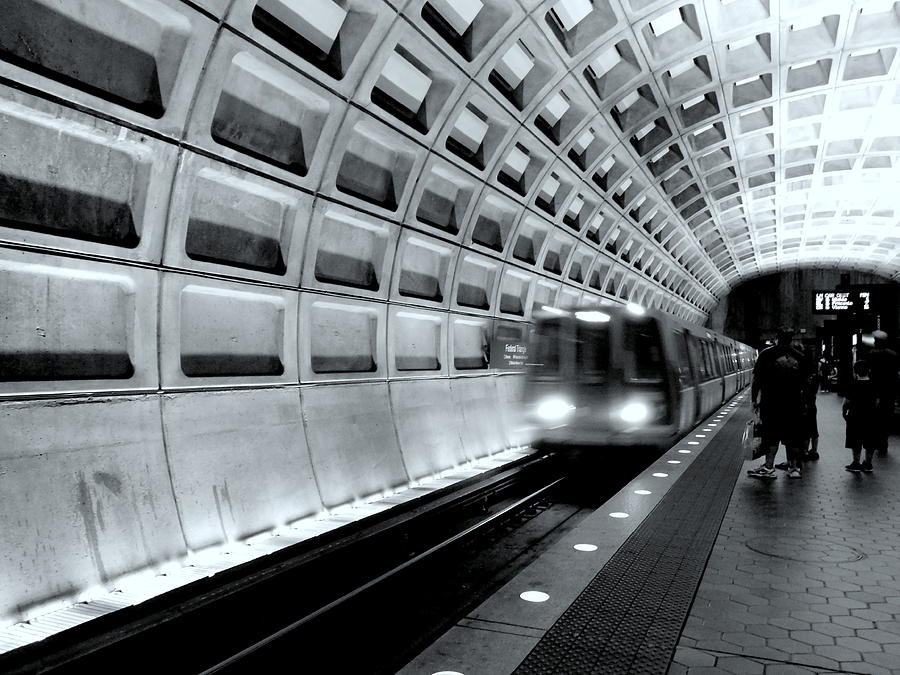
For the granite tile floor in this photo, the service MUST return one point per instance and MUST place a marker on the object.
(805, 574)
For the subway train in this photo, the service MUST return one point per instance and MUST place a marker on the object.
(623, 376)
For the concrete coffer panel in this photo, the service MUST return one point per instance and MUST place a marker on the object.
(239, 462)
(86, 495)
(510, 390)
(428, 425)
(482, 425)
(352, 440)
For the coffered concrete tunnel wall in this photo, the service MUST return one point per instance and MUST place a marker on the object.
(254, 253)
(230, 297)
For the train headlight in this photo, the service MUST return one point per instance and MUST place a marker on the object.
(635, 412)
(554, 409)
(635, 309)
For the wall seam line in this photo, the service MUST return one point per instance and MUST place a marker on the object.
(175, 500)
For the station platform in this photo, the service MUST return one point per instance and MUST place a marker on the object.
(695, 567)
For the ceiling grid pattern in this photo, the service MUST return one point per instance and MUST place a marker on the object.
(761, 130)
(755, 149)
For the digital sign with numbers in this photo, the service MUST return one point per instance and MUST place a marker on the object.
(841, 302)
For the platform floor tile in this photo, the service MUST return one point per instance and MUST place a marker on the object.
(804, 576)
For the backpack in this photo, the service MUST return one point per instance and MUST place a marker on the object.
(785, 376)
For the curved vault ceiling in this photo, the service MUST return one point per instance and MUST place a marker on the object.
(763, 132)
(647, 150)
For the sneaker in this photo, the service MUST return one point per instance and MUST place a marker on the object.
(794, 473)
(762, 472)
(784, 466)
(866, 466)
(854, 467)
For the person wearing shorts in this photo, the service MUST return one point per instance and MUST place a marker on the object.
(860, 411)
(777, 392)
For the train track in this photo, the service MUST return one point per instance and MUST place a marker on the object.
(270, 650)
(378, 627)
(297, 604)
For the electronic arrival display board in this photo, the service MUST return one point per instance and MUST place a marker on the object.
(842, 302)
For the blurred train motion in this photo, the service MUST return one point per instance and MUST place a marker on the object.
(614, 376)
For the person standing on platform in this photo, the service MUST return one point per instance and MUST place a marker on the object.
(824, 373)
(860, 411)
(809, 445)
(779, 378)
(883, 365)
(809, 428)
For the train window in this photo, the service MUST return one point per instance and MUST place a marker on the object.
(644, 349)
(708, 361)
(548, 336)
(723, 362)
(715, 353)
(682, 360)
(592, 351)
(696, 356)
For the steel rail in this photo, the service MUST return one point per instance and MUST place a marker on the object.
(469, 531)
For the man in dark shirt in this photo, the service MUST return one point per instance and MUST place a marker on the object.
(883, 365)
(777, 392)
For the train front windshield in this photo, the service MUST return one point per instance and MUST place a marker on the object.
(582, 346)
(547, 338)
(591, 352)
(644, 353)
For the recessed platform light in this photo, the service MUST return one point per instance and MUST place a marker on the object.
(643, 492)
(674, 461)
(660, 475)
(585, 547)
(618, 514)
(684, 452)
(534, 596)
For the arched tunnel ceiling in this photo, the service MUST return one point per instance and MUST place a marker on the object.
(744, 135)
(647, 151)
(767, 130)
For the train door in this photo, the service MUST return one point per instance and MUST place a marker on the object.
(711, 388)
(645, 366)
(700, 367)
(688, 391)
(719, 352)
(728, 375)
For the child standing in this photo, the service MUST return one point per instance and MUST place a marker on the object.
(859, 413)
(809, 448)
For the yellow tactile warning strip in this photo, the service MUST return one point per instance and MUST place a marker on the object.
(629, 618)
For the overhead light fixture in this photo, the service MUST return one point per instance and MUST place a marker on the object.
(592, 316)
(553, 310)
